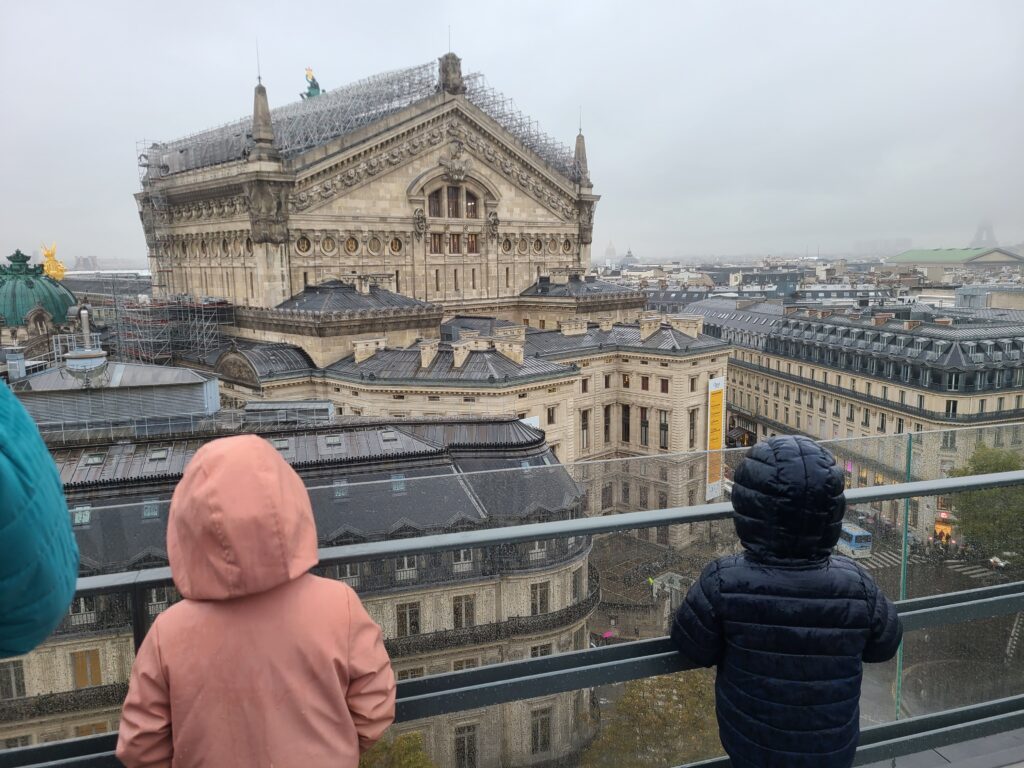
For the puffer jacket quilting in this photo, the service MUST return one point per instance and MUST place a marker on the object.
(787, 623)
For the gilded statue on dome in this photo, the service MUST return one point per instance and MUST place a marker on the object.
(51, 266)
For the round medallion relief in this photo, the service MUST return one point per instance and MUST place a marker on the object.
(202, 247)
(506, 245)
(248, 245)
(396, 245)
(523, 246)
(374, 245)
(351, 245)
(327, 245)
(567, 246)
(552, 245)
(224, 248)
(302, 245)
(538, 246)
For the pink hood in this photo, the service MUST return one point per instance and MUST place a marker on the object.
(240, 522)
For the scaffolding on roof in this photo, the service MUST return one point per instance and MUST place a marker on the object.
(158, 331)
(309, 123)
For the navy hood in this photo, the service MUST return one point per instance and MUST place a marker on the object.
(788, 498)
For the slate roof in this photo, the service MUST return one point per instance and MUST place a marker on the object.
(622, 336)
(270, 360)
(485, 326)
(339, 296)
(118, 375)
(966, 345)
(578, 287)
(365, 481)
(483, 367)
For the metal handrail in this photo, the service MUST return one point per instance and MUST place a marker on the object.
(511, 681)
(584, 526)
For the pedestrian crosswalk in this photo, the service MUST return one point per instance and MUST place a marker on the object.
(889, 559)
(970, 570)
(879, 560)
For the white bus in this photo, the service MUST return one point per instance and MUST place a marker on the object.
(854, 541)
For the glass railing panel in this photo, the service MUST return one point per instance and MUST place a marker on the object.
(960, 664)
(75, 682)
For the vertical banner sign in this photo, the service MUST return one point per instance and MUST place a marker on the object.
(716, 436)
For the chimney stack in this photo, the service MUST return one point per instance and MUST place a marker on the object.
(943, 321)
(460, 352)
(363, 285)
(605, 322)
(510, 348)
(650, 324)
(367, 348)
(691, 325)
(574, 326)
(428, 351)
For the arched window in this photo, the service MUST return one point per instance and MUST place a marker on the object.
(453, 202)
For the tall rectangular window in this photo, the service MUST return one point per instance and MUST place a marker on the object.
(585, 430)
(437, 280)
(551, 414)
(471, 207)
(507, 277)
(471, 243)
(434, 204)
(644, 427)
(86, 666)
(540, 731)
(663, 430)
(625, 423)
(464, 609)
(540, 598)
(951, 407)
(693, 428)
(12, 680)
(645, 383)
(454, 243)
(455, 273)
(607, 424)
(577, 585)
(436, 242)
(625, 381)
(408, 619)
(453, 203)
(465, 746)
(664, 386)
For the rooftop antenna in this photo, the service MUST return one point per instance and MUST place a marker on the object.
(581, 118)
(449, 38)
(259, 75)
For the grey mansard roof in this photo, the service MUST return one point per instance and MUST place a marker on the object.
(396, 366)
(578, 287)
(366, 481)
(339, 296)
(971, 342)
(622, 336)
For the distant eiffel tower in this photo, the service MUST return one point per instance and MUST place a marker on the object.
(984, 237)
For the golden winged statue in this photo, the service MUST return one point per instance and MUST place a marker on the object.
(51, 266)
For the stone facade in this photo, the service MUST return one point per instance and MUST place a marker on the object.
(438, 196)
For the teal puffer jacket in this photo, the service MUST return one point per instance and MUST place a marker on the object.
(38, 554)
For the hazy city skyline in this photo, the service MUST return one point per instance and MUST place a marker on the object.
(712, 128)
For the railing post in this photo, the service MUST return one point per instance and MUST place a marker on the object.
(903, 569)
(138, 616)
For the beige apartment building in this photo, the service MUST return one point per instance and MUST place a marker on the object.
(868, 377)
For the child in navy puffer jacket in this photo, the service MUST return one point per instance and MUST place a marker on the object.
(788, 623)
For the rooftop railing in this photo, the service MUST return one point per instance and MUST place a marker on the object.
(958, 676)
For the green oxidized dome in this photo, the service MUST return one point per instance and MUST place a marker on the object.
(23, 287)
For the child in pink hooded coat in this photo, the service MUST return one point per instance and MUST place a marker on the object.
(262, 663)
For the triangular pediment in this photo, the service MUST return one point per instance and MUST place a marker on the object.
(424, 144)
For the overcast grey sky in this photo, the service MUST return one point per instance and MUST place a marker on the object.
(713, 128)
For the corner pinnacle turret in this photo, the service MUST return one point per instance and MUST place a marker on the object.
(581, 158)
(262, 129)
